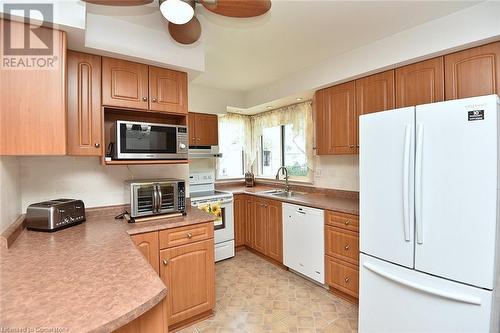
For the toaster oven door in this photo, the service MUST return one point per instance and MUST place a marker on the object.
(167, 198)
(144, 200)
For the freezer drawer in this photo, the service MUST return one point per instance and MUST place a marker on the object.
(303, 241)
(397, 299)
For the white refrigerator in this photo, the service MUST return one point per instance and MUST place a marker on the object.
(429, 218)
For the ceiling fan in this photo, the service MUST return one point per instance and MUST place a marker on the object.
(183, 26)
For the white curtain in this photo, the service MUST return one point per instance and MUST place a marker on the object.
(299, 115)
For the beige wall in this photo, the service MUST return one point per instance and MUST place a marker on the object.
(44, 178)
(338, 172)
(10, 191)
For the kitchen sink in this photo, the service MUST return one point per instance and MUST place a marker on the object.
(280, 193)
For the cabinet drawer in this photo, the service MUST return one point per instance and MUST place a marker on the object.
(342, 244)
(342, 220)
(186, 235)
(342, 276)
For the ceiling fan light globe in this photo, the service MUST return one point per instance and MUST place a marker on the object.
(176, 11)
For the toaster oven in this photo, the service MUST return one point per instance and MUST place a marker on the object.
(154, 197)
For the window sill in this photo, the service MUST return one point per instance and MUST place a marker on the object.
(281, 181)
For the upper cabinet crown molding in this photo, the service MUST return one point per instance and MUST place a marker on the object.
(84, 104)
(420, 83)
(33, 103)
(473, 72)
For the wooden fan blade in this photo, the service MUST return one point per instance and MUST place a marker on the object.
(185, 33)
(238, 8)
(119, 2)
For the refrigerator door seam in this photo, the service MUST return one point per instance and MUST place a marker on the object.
(429, 290)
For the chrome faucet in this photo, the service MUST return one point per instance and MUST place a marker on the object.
(287, 188)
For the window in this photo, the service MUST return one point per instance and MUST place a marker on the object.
(233, 139)
(280, 146)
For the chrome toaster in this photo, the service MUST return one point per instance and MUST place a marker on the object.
(54, 214)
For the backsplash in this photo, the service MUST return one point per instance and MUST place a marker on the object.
(339, 172)
(84, 178)
(10, 190)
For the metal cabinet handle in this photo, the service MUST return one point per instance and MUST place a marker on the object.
(357, 146)
(154, 99)
(97, 144)
(145, 99)
(346, 280)
(189, 235)
(346, 247)
(165, 262)
(347, 222)
(352, 146)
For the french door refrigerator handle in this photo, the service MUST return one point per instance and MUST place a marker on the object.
(426, 289)
(418, 183)
(406, 182)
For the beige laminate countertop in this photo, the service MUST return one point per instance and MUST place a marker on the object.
(87, 278)
(349, 205)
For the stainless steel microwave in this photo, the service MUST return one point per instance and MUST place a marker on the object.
(132, 140)
(154, 197)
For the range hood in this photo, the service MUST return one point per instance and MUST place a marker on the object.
(203, 152)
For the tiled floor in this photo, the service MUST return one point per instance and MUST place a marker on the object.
(255, 296)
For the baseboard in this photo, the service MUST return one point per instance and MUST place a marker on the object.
(344, 296)
(190, 321)
(263, 256)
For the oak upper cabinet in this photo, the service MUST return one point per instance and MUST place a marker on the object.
(274, 230)
(124, 84)
(420, 83)
(84, 124)
(375, 93)
(33, 101)
(240, 213)
(473, 72)
(167, 90)
(188, 271)
(336, 120)
(203, 129)
(147, 243)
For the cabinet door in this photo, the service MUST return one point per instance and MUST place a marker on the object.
(473, 72)
(239, 220)
(192, 128)
(33, 102)
(206, 129)
(319, 122)
(375, 93)
(250, 222)
(340, 119)
(147, 243)
(124, 84)
(188, 272)
(274, 230)
(167, 90)
(84, 125)
(420, 83)
(260, 226)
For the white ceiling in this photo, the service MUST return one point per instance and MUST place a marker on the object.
(245, 54)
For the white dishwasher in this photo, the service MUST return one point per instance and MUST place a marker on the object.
(304, 241)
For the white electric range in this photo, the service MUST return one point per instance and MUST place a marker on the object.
(203, 195)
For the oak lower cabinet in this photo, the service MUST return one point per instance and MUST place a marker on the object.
(167, 90)
(147, 243)
(125, 84)
(188, 271)
(473, 72)
(33, 100)
(240, 213)
(420, 83)
(264, 227)
(84, 125)
(336, 123)
(203, 129)
(153, 321)
(342, 254)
